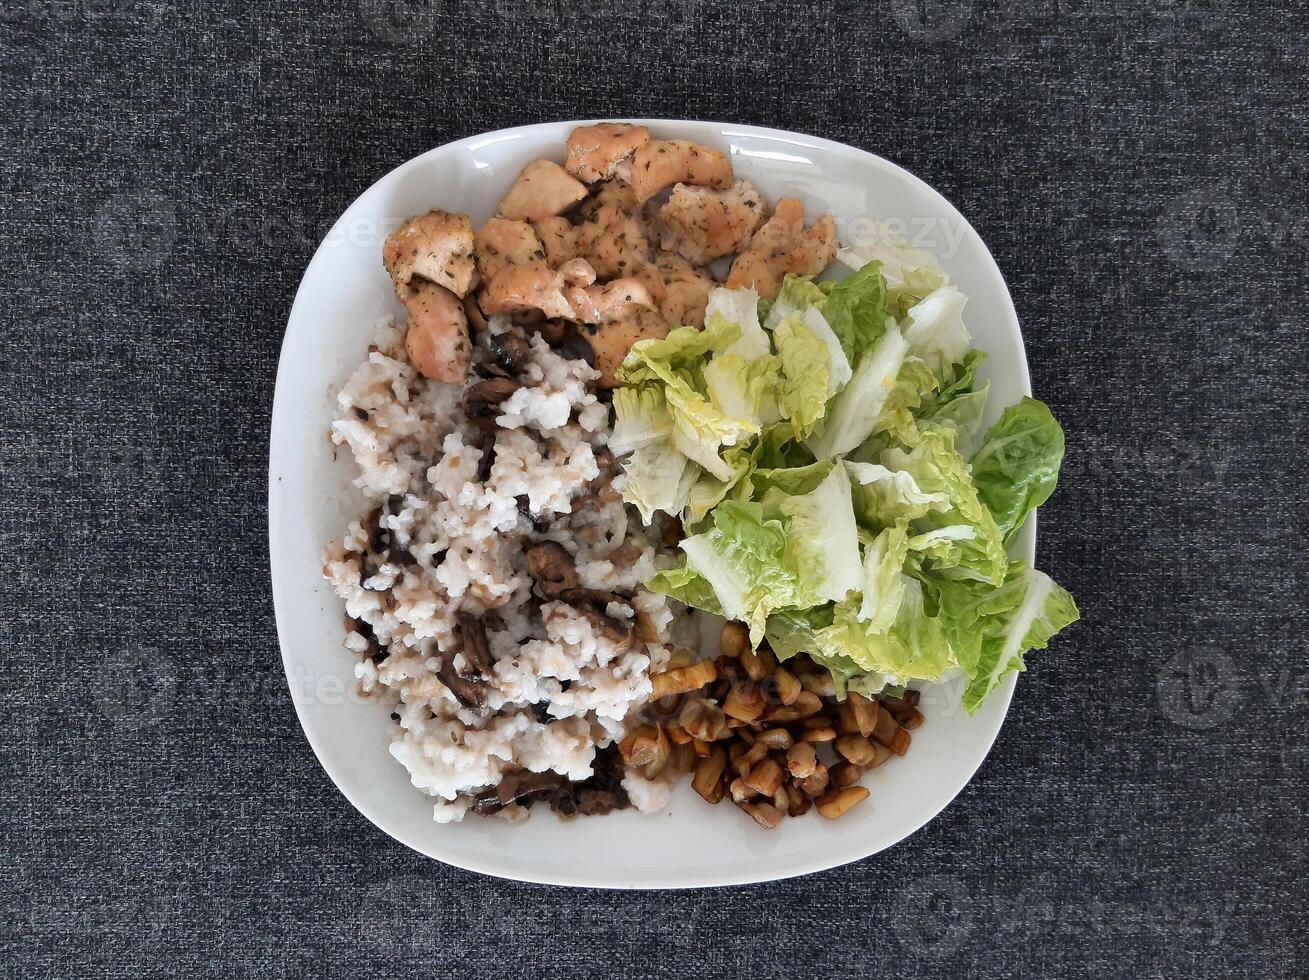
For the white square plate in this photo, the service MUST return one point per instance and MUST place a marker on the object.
(310, 500)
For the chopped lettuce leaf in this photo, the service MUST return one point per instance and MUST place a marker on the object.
(965, 414)
(942, 544)
(884, 557)
(742, 557)
(795, 631)
(798, 293)
(643, 418)
(1018, 465)
(686, 586)
(913, 648)
(706, 492)
(700, 430)
(935, 330)
(990, 629)
(838, 365)
(739, 307)
(778, 448)
(937, 467)
(803, 396)
(745, 389)
(791, 480)
(856, 309)
(960, 378)
(885, 497)
(822, 540)
(656, 479)
(857, 407)
(683, 348)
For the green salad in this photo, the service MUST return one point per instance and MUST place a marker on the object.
(825, 453)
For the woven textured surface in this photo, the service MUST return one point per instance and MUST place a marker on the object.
(1137, 169)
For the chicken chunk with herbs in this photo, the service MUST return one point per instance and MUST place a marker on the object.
(501, 243)
(784, 245)
(612, 233)
(522, 288)
(703, 223)
(543, 190)
(604, 150)
(559, 238)
(662, 163)
(437, 339)
(436, 247)
(686, 290)
(612, 339)
(609, 301)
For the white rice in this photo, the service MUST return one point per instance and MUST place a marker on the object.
(417, 454)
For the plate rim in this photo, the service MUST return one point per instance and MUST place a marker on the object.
(276, 573)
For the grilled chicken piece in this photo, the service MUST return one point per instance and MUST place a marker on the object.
(650, 277)
(437, 246)
(662, 163)
(530, 286)
(437, 340)
(686, 290)
(614, 338)
(704, 224)
(611, 301)
(784, 245)
(599, 152)
(612, 233)
(501, 243)
(559, 238)
(577, 272)
(542, 190)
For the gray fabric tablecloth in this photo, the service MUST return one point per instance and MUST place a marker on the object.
(1136, 166)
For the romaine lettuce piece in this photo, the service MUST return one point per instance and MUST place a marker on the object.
(643, 417)
(739, 307)
(684, 348)
(800, 297)
(803, 397)
(885, 497)
(838, 365)
(913, 648)
(657, 479)
(687, 586)
(790, 480)
(990, 629)
(745, 389)
(743, 558)
(822, 540)
(965, 414)
(943, 544)
(708, 490)
(884, 558)
(1017, 467)
(854, 412)
(700, 430)
(935, 329)
(857, 310)
(937, 467)
(798, 293)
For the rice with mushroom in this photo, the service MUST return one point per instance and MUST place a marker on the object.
(446, 536)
